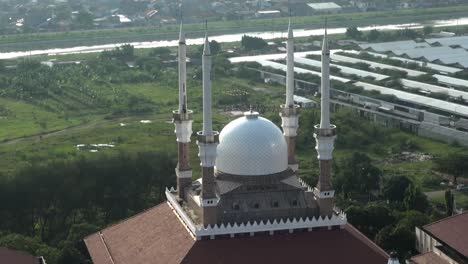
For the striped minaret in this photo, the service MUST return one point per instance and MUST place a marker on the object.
(325, 135)
(207, 143)
(289, 111)
(182, 119)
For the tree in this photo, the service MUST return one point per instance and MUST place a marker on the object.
(400, 239)
(357, 175)
(84, 20)
(454, 164)
(428, 30)
(73, 249)
(394, 188)
(215, 47)
(63, 12)
(162, 52)
(373, 35)
(415, 199)
(354, 33)
(378, 221)
(253, 43)
(370, 219)
(127, 52)
(411, 219)
(449, 202)
(222, 65)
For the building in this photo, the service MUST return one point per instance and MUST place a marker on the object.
(268, 14)
(443, 242)
(249, 205)
(304, 102)
(324, 8)
(18, 257)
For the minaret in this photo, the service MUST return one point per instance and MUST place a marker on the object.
(325, 135)
(207, 142)
(182, 119)
(289, 111)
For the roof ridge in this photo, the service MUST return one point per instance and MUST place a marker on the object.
(444, 219)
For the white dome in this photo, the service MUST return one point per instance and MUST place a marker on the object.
(251, 145)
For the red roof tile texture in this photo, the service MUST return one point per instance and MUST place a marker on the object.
(452, 231)
(9, 256)
(158, 236)
(428, 258)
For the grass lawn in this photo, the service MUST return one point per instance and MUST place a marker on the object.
(461, 199)
(23, 119)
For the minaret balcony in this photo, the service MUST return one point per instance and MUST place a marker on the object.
(287, 110)
(325, 132)
(207, 139)
(182, 116)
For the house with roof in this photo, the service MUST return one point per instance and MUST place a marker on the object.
(18, 257)
(443, 242)
(323, 8)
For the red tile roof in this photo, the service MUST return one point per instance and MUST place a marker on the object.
(452, 231)
(158, 236)
(428, 258)
(16, 257)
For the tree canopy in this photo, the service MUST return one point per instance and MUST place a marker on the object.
(253, 43)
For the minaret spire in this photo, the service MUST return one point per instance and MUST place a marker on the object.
(182, 119)
(207, 143)
(325, 135)
(289, 111)
(206, 64)
(325, 85)
(182, 71)
(290, 67)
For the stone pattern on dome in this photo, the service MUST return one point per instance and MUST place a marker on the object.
(251, 145)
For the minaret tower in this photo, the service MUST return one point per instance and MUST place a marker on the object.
(182, 119)
(289, 111)
(325, 135)
(207, 142)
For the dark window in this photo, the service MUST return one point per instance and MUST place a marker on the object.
(256, 206)
(294, 203)
(236, 206)
(275, 204)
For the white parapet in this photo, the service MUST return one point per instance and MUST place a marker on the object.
(207, 154)
(183, 130)
(324, 147)
(198, 231)
(290, 124)
(305, 185)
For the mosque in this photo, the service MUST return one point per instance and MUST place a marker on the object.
(248, 205)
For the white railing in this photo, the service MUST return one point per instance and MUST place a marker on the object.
(304, 184)
(338, 219)
(180, 211)
(335, 220)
